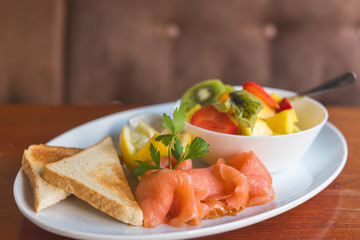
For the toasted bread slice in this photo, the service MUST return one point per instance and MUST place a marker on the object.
(33, 162)
(95, 175)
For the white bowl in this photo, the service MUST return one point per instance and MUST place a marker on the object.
(276, 152)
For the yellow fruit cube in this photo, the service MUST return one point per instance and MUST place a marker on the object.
(282, 122)
(296, 129)
(276, 97)
(261, 128)
(246, 131)
(294, 116)
(266, 111)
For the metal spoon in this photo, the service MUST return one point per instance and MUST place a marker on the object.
(339, 81)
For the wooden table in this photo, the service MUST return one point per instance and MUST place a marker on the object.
(332, 214)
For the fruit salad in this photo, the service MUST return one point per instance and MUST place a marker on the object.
(251, 111)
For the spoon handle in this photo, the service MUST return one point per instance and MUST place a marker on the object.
(339, 81)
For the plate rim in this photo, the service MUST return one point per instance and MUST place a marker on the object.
(199, 232)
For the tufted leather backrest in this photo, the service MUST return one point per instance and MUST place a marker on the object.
(151, 51)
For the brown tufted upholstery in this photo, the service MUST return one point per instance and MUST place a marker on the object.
(147, 52)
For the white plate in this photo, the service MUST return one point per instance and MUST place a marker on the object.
(75, 218)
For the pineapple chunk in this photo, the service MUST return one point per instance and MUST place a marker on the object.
(294, 116)
(282, 122)
(296, 129)
(244, 130)
(261, 128)
(266, 111)
(276, 97)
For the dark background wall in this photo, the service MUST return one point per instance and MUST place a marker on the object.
(87, 51)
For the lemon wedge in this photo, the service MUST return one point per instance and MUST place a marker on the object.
(144, 153)
(185, 138)
(130, 142)
(145, 129)
(135, 144)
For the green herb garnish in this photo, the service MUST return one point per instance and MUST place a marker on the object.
(195, 149)
(145, 166)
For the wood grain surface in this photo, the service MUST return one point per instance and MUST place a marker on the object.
(334, 213)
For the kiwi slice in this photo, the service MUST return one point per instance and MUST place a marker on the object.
(204, 93)
(229, 88)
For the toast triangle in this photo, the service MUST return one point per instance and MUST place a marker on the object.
(33, 162)
(95, 175)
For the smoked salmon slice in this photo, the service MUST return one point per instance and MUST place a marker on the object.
(186, 195)
(259, 178)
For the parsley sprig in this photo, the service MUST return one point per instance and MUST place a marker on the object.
(195, 149)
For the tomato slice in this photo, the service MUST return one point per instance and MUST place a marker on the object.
(208, 117)
(260, 93)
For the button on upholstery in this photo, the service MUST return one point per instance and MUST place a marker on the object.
(270, 31)
(172, 30)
